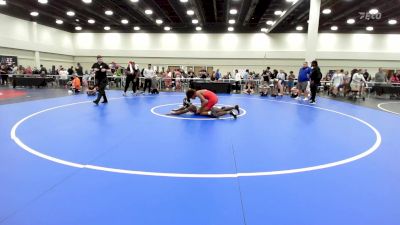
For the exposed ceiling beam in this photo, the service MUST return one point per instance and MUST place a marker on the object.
(290, 10)
(357, 6)
(199, 9)
(158, 10)
(132, 12)
(178, 12)
(243, 11)
(250, 12)
(228, 7)
(215, 10)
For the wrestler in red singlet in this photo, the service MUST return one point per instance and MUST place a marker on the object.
(211, 97)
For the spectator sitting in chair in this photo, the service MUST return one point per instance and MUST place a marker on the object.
(76, 84)
(357, 83)
(91, 91)
(294, 92)
(278, 88)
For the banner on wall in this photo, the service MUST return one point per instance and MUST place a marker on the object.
(9, 60)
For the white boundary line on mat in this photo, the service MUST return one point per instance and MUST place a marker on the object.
(386, 103)
(367, 152)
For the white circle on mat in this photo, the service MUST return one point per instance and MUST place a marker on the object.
(370, 150)
(154, 111)
(386, 110)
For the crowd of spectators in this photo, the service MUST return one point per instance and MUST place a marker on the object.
(270, 81)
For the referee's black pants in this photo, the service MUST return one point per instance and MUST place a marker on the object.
(313, 89)
(102, 91)
(147, 84)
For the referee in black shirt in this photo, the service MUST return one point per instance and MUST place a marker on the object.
(101, 79)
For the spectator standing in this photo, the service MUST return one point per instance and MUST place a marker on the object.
(79, 69)
(218, 75)
(366, 75)
(4, 76)
(148, 75)
(238, 80)
(291, 79)
(303, 80)
(71, 71)
(43, 70)
(131, 72)
(315, 80)
(380, 77)
(336, 82)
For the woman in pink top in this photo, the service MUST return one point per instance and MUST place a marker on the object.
(178, 76)
(167, 76)
(394, 79)
(28, 70)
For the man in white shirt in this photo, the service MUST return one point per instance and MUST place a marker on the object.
(148, 75)
(357, 83)
(281, 75)
(238, 80)
(336, 82)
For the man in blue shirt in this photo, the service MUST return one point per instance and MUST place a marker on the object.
(303, 81)
(218, 75)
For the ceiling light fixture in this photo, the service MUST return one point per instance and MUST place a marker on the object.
(190, 12)
(91, 21)
(159, 21)
(369, 28)
(195, 21)
(134, 1)
(232, 21)
(233, 11)
(148, 11)
(124, 21)
(136, 28)
(59, 22)
(3, 2)
(184, 1)
(278, 12)
(167, 28)
(78, 28)
(351, 21)
(109, 12)
(299, 28)
(70, 13)
(270, 22)
(43, 1)
(265, 30)
(392, 21)
(87, 1)
(326, 11)
(230, 29)
(34, 14)
(334, 28)
(199, 28)
(373, 11)
(107, 28)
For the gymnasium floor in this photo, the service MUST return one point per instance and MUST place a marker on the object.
(65, 161)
